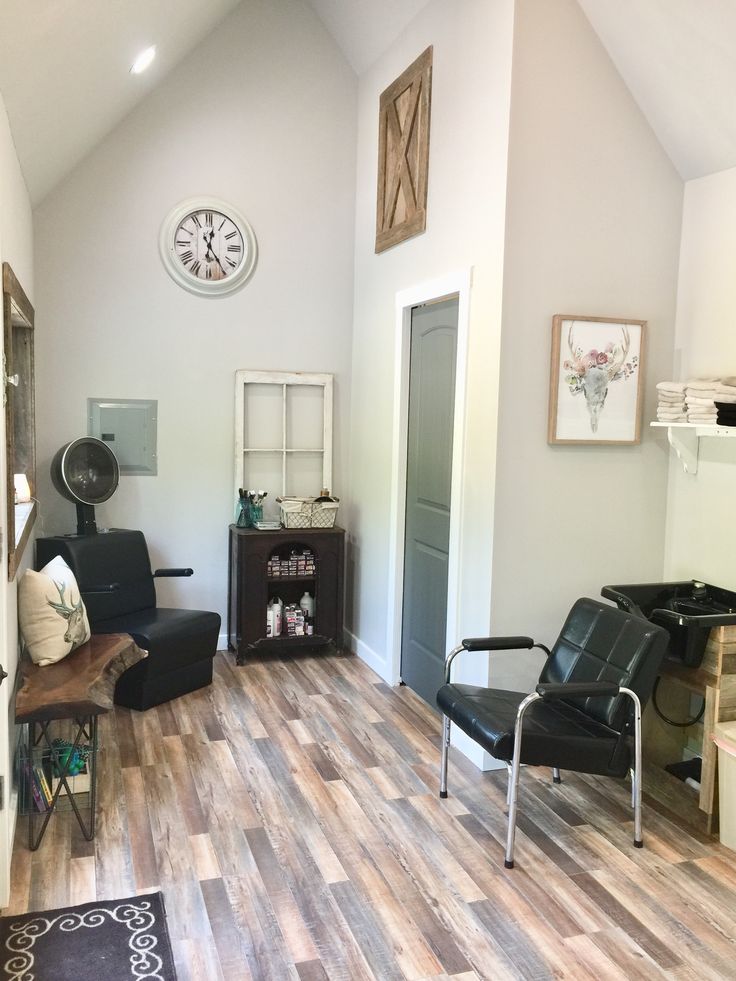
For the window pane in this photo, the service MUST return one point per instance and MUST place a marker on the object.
(263, 416)
(305, 417)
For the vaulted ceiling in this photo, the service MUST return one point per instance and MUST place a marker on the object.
(64, 71)
(678, 58)
(65, 82)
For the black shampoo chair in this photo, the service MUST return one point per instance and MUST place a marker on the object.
(587, 705)
(113, 571)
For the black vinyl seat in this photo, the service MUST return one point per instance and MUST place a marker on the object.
(583, 712)
(113, 570)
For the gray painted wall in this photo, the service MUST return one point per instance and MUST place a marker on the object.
(262, 115)
(593, 222)
(472, 42)
(701, 535)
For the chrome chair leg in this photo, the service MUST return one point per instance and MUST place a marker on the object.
(636, 783)
(509, 772)
(514, 782)
(449, 658)
(445, 754)
(556, 778)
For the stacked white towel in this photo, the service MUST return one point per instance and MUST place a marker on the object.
(671, 402)
(726, 390)
(700, 396)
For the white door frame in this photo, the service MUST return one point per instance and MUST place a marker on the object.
(453, 284)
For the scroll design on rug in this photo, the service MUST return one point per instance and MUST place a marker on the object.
(145, 964)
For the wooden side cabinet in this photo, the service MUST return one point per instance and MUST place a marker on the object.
(252, 585)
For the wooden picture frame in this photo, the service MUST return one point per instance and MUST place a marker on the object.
(596, 380)
(403, 154)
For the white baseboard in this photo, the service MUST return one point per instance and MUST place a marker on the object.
(460, 741)
(222, 642)
(379, 664)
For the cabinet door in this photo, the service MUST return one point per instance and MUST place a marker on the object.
(327, 577)
(254, 594)
(233, 597)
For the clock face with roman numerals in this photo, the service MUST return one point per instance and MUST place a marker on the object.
(207, 247)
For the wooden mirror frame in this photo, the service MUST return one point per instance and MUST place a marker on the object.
(20, 408)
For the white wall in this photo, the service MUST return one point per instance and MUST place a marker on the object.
(594, 211)
(466, 202)
(16, 247)
(701, 534)
(262, 115)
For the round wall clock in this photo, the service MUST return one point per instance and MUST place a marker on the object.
(207, 247)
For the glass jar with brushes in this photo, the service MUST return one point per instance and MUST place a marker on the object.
(250, 507)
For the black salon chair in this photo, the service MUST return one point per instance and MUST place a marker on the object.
(596, 680)
(113, 571)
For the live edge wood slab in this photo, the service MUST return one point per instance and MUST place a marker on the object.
(82, 684)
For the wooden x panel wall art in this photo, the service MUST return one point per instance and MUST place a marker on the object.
(403, 154)
(596, 380)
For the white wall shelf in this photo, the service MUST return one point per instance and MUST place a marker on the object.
(684, 438)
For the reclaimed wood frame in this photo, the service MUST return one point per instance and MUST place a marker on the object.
(18, 333)
(403, 154)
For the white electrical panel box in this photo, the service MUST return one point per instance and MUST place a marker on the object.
(128, 426)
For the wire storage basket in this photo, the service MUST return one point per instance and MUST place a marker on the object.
(39, 768)
(296, 512)
(324, 513)
(306, 512)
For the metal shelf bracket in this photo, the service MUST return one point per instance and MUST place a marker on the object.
(685, 443)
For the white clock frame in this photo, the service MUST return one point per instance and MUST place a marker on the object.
(172, 263)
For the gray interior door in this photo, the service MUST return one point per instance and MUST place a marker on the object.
(428, 479)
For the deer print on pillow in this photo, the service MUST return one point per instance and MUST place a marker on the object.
(74, 615)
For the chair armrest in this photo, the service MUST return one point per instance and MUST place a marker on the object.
(490, 644)
(577, 689)
(169, 573)
(497, 643)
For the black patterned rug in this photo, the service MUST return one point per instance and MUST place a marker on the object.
(114, 941)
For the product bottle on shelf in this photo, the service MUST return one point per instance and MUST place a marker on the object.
(307, 604)
(277, 608)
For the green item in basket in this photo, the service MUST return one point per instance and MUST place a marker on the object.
(62, 751)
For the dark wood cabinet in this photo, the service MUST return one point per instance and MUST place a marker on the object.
(251, 587)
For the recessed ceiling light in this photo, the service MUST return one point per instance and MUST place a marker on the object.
(143, 60)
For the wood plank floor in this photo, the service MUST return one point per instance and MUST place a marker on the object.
(290, 815)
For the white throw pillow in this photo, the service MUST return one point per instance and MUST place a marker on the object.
(51, 615)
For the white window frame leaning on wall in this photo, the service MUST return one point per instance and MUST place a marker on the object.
(284, 380)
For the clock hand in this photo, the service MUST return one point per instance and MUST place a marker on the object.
(211, 251)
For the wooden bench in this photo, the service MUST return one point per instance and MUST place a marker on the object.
(80, 688)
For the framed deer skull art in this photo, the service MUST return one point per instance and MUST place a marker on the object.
(596, 380)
